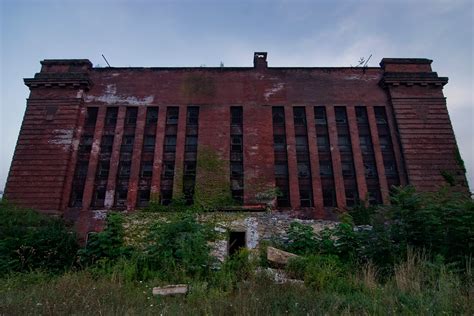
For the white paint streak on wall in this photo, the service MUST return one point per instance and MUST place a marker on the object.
(62, 137)
(274, 89)
(111, 97)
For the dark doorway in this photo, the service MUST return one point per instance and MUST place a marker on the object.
(236, 242)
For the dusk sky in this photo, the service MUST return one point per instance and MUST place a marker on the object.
(195, 33)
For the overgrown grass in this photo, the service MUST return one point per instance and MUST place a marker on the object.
(415, 289)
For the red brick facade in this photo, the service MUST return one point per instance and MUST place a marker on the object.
(111, 138)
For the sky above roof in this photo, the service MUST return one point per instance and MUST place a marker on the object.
(195, 33)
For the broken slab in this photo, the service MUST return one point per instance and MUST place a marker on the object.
(279, 257)
(171, 289)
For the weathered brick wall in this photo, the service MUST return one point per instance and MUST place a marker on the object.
(45, 158)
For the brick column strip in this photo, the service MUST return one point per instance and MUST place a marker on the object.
(336, 157)
(378, 155)
(136, 159)
(396, 146)
(357, 153)
(93, 160)
(114, 159)
(314, 161)
(73, 158)
(292, 163)
(158, 155)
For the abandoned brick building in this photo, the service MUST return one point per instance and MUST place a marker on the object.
(112, 138)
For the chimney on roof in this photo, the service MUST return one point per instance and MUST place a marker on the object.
(260, 60)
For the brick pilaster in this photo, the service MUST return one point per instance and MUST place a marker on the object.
(314, 161)
(136, 159)
(336, 157)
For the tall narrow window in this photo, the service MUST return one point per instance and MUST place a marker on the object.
(302, 157)
(236, 154)
(169, 150)
(325, 157)
(281, 157)
(190, 153)
(368, 157)
(347, 158)
(389, 162)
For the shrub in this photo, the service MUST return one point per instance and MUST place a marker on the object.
(301, 239)
(29, 241)
(107, 244)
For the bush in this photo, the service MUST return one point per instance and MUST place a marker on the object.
(30, 241)
(301, 239)
(107, 244)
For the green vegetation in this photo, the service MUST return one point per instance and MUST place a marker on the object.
(412, 257)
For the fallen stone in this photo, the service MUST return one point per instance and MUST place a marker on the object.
(278, 257)
(171, 289)
(279, 276)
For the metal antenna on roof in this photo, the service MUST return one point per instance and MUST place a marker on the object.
(367, 61)
(105, 60)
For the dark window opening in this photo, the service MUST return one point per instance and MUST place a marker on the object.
(325, 169)
(301, 144)
(370, 170)
(361, 115)
(340, 115)
(236, 170)
(151, 115)
(131, 116)
(380, 116)
(320, 115)
(143, 197)
(86, 144)
(329, 197)
(279, 142)
(236, 113)
(306, 198)
(303, 170)
(278, 114)
(81, 169)
(365, 143)
(121, 196)
(146, 170)
(166, 196)
(385, 143)
(390, 169)
(99, 197)
(192, 115)
(149, 143)
(172, 115)
(127, 143)
(124, 169)
(103, 169)
(347, 170)
(281, 170)
(107, 143)
(111, 116)
(236, 143)
(344, 143)
(76, 196)
(170, 143)
(191, 143)
(91, 117)
(168, 170)
(323, 142)
(189, 168)
(283, 199)
(352, 197)
(236, 242)
(299, 115)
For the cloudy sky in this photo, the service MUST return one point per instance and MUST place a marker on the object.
(194, 33)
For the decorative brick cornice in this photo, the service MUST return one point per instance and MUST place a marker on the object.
(61, 80)
(413, 78)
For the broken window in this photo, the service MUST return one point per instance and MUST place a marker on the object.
(385, 143)
(236, 170)
(166, 196)
(347, 170)
(143, 197)
(344, 143)
(370, 169)
(279, 142)
(380, 116)
(103, 169)
(127, 143)
(306, 198)
(329, 197)
(361, 115)
(303, 170)
(189, 168)
(351, 197)
(281, 170)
